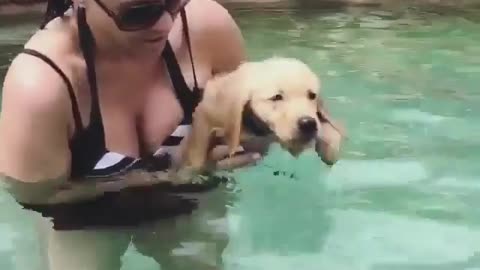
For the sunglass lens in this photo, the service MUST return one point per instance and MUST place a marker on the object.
(140, 17)
(174, 5)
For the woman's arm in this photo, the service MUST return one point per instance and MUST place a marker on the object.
(226, 46)
(220, 36)
(34, 128)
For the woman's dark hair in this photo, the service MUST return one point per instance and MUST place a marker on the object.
(55, 8)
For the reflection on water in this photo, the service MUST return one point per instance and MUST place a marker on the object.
(405, 196)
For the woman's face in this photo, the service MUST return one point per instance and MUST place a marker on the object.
(134, 21)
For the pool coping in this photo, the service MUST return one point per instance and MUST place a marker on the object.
(39, 6)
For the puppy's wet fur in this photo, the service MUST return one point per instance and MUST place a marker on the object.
(277, 98)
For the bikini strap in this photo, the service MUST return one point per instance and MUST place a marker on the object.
(188, 98)
(87, 46)
(73, 100)
(185, 96)
(189, 45)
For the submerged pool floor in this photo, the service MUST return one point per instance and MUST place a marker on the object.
(406, 193)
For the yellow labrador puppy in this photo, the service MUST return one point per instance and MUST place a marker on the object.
(276, 98)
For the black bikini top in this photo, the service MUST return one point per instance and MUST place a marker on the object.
(90, 157)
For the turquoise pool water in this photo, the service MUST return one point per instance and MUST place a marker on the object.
(406, 193)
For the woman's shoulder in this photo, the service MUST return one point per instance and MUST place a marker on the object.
(214, 29)
(210, 10)
(209, 17)
(56, 43)
(32, 82)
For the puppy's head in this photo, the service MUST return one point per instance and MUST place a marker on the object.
(284, 100)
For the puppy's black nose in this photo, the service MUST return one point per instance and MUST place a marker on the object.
(307, 125)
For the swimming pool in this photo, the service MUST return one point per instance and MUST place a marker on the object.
(405, 196)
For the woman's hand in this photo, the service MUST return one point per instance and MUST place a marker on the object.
(219, 155)
(248, 154)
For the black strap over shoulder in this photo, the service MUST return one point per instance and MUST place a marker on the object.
(73, 100)
(188, 98)
(189, 44)
(87, 46)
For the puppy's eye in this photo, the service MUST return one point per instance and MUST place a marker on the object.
(312, 95)
(277, 97)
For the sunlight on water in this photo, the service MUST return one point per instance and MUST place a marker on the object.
(404, 196)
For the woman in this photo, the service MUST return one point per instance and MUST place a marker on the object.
(92, 112)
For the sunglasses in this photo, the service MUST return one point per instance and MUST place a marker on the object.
(140, 15)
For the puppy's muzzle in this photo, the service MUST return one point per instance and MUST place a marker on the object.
(307, 127)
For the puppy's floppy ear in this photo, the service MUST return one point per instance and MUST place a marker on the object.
(329, 137)
(325, 118)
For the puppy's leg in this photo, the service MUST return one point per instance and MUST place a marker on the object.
(197, 146)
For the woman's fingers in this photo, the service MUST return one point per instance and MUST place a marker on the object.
(238, 161)
(241, 158)
(220, 152)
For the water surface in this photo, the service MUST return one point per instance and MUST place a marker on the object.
(405, 196)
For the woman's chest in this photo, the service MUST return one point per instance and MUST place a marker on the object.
(139, 122)
(139, 104)
(146, 115)
(161, 116)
